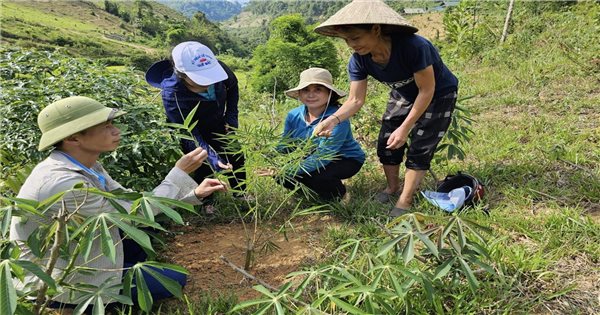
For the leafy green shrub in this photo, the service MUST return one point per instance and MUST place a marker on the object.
(34, 79)
(418, 268)
(291, 48)
(142, 61)
(69, 236)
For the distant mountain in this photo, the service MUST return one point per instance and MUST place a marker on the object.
(214, 10)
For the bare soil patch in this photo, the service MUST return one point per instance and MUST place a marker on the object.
(199, 248)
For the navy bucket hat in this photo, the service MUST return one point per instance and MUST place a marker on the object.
(158, 72)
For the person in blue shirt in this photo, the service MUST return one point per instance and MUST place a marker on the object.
(331, 160)
(194, 77)
(423, 91)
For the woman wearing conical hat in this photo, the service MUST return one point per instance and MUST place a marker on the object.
(422, 96)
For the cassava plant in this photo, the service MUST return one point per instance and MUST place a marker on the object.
(69, 236)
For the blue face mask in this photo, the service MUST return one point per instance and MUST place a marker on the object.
(210, 94)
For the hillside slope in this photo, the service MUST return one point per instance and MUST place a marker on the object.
(119, 32)
(82, 27)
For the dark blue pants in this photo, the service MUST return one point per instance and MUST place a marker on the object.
(326, 182)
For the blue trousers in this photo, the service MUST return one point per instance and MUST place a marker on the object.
(134, 254)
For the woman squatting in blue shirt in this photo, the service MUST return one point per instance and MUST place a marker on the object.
(333, 159)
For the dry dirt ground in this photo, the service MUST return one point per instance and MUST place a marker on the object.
(199, 248)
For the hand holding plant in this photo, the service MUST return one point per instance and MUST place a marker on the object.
(192, 161)
(224, 166)
(209, 186)
(325, 128)
(266, 171)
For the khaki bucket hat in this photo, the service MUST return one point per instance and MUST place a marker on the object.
(69, 116)
(314, 76)
(366, 12)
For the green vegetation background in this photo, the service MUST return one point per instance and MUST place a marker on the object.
(536, 141)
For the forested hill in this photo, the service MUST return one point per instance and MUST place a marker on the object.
(215, 10)
(315, 11)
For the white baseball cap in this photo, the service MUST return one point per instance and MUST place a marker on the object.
(198, 62)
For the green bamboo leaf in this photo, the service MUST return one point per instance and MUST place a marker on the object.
(114, 216)
(263, 309)
(354, 290)
(23, 310)
(448, 227)
(144, 297)
(185, 137)
(49, 202)
(169, 284)
(8, 294)
(408, 253)
(347, 307)
(455, 246)
(108, 247)
(480, 250)
(190, 116)
(6, 218)
(173, 125)
(173, 202)
(387, 246)
(36, 270)
(128, 282)
(279, 308)
(87, 241)
(429, 291)
(167, 266)
(168, 212)
(473, 283)
(247, 304)
(147, 209)
(84, 225)
(263, 290)
(396, 284)
(81, 307)
(134, 233)
(428, 243)
(192, 126)
(98, 308)
(29, 206)
(443, 269)
(117, 206)
(462, 240)
(377, 278)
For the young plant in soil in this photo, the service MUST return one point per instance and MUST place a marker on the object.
(263, 147)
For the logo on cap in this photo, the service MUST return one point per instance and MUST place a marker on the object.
(202, 60)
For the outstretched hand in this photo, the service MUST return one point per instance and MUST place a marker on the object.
(325, 128)
(209, 186)
(224, 166)
(192, 161)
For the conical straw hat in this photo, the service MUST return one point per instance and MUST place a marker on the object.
(366, 12)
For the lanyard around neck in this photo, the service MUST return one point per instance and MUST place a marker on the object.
(86, 169)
